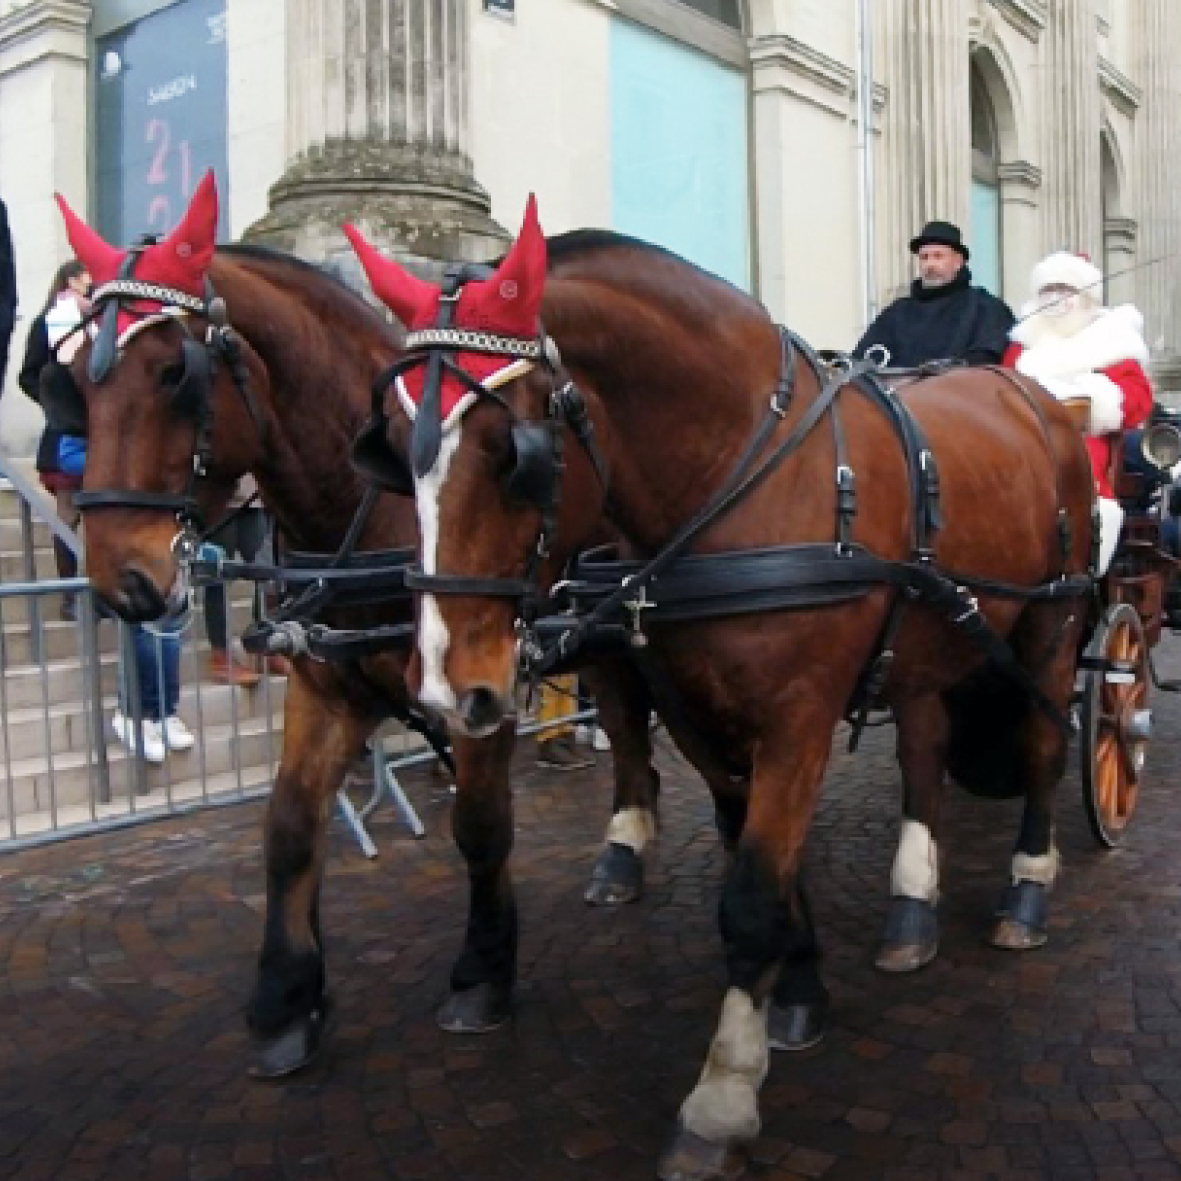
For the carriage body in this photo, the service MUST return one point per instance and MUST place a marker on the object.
(1138, 597)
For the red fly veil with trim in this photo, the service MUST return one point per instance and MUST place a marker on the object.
(180, 261)
(506, 304)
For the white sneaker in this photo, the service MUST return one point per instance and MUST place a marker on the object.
(600, 741)
(177, 736)
(151, 743)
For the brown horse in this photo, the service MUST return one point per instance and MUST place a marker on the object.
(311, 350)
(677, 369)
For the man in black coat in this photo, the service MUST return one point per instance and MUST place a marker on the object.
(7, 290)
(943, 316)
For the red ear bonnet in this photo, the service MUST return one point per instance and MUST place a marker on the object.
(507, 304)
(181, 261)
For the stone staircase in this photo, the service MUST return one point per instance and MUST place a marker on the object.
(51, 760)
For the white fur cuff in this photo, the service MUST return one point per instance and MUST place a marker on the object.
(1107, 402)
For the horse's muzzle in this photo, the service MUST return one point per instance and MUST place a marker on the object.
(481, 711)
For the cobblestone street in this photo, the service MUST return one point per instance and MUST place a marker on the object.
(126, 961)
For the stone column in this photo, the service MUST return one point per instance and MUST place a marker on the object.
(44, 111)
(1158, 71)
(926, 154)
(377, 127)
(1072, 205)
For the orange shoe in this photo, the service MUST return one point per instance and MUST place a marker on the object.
(228, 672)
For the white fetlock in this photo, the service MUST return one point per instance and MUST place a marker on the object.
(724, 1106)
(633, 827)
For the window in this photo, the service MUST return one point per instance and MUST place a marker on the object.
(725, 11)
(985, 228)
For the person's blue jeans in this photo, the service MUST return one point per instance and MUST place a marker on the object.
(157, 663)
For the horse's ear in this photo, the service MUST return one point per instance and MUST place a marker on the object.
(191, 243)
(406, 295)
(519, 282)
(99, 257)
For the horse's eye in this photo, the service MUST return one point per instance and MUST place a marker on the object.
(172, 375)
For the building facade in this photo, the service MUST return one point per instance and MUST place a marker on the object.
(730, 131)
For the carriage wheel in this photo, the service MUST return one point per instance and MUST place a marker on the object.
(1116, 723)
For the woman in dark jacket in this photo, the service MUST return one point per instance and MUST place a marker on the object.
(72, 281)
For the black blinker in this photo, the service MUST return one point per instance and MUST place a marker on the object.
(374, 459)
(534, 474)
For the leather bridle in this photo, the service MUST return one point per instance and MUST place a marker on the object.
(536, 474)
(199, 360)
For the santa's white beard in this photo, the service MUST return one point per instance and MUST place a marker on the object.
(1041, 328)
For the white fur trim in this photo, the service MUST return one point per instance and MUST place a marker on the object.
(916, 864)
(1113, 335)
(724, 1106)
(633, 827)
(1043, 869)
(1107, 402)
(1111, 520)
(1066, 269)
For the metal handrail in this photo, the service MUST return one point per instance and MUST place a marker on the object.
(41, 507)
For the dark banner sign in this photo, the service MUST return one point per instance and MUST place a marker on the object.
(161, 118)
(500, 7)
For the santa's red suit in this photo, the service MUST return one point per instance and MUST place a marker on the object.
(1077, 349)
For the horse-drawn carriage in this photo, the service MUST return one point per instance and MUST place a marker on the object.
(1138, 598)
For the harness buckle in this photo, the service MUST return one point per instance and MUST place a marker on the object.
(971, 613)
(636, 607)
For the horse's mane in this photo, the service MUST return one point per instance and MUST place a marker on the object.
(328, 289)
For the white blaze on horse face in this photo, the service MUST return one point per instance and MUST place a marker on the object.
(916, 864)
(433, 637)
(724, 1105)
(633, 827)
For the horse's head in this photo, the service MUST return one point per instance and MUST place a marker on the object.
(478, 413)
(148, 377)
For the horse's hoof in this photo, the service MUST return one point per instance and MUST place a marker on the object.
(1021, 917)
(293, 1049)
(796, 1027)
(691, 1158)
(618, 876)
(911, 939)
(1014, 936)
(479, 1009)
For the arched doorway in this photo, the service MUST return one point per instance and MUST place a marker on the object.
(985, 230)
(1119, 231)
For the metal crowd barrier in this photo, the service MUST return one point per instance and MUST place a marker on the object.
(66, 774)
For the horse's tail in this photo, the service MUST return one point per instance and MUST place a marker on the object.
(983, 754)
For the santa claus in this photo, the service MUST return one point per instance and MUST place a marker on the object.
(1078, 349)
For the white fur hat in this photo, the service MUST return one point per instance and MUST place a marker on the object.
(1069, 270)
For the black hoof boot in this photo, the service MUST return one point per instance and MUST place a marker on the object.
(911, 938)
(281, 1054)
(1021, 917)
(796, 1026)
(618, 876)
(691, 1158)
(479, 1009)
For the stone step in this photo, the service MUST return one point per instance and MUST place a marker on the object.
(24, 733)
(12, 534)
(227, 787)
(61, 639)
(72, 777)
(13, 565)
(61, 682)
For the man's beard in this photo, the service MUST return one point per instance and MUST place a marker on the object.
(935, 281)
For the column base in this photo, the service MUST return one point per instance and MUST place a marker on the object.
(426, 209)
